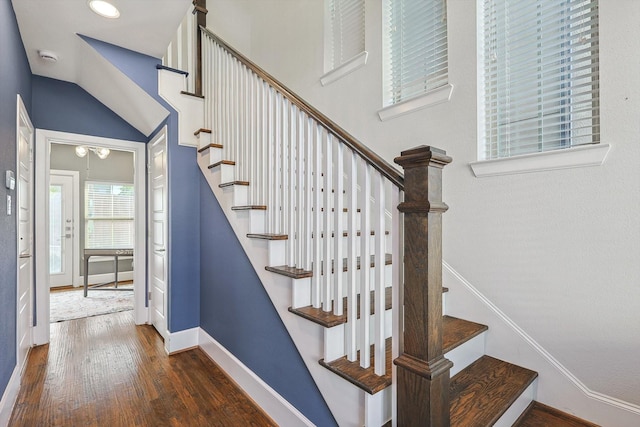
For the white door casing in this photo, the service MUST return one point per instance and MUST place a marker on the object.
(44, 139)
(63, 228)
(158, 233)
(24, 219)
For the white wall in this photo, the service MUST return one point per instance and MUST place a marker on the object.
(559, 251)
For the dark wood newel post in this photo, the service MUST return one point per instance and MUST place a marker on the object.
(200, 10)
(423, 372)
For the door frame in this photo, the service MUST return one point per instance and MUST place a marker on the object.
(44, 138)
(75, 176)
(23, 120)
(162, 134)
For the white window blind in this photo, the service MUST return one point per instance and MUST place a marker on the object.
(346, 31)
(416, 48)
(109, 214)
(541, 75)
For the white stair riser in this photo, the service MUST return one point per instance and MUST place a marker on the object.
(377, 407)
(204, 139)
(467, 353)
(215, 155)
(517, 408)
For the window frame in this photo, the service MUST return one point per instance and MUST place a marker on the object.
(112, 219)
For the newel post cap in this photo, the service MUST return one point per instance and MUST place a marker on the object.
(424, 155)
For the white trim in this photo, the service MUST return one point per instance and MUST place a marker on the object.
(276, 406)
(181, 340)
(44, 138)
(434, 97)
(190, 109)
(358, 61)
(575, 157)
(558, 367)
(9, 397)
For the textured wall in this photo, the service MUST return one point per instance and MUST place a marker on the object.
(184, 220)
(15, 79)
(236, 311)
(557, 251)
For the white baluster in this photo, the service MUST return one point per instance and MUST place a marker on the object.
(316, 283)
(379, 276)
(352, 254)
(328, 184)
(338, 223)
(365, 296)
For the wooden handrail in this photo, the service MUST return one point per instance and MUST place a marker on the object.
(369, 156)
(200, 10)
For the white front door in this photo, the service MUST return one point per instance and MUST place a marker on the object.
(158, 268)
(24, 212)
(61, 230)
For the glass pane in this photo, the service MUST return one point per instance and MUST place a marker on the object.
(55, 230)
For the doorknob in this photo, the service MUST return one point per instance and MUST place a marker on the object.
(161, 250)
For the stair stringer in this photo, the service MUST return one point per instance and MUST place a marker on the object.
(346, 401)
(556, 385)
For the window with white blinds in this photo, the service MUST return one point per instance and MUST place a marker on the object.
(109, 214)
(541, 76)
(345, 28)
(416, 56)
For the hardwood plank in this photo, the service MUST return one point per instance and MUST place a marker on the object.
(541, 415)
(232, 183)
(298, 273)
(105, 371)
(484, 390)
(210, 145)
(222, 162)
(268, 236)
(249, 207)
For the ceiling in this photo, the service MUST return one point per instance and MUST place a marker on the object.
(145, 26)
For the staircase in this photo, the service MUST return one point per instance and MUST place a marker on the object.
(317, 214)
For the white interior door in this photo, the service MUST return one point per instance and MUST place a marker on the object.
(61, 230)
(25, 234)
(158, 266)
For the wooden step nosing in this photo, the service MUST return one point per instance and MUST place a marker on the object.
(267, 236)
(385, 381)
(210, 145)
(232, 183)
(286, 271)
(222, 162)
(202, 130)
(249, 208)
(184, 92)
(478, 329)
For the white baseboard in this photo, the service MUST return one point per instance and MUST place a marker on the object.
(181, 340)
(9, 397)
(276, 406)
(557, 386)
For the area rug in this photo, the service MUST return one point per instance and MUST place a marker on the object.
(67, 305)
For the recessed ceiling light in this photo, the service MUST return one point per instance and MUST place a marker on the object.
(104, 8)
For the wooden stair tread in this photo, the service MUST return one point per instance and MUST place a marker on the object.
(210, 145)
(249, 208)
(232, 183)
(328, 319)
(202, 130)
(484, 390)
(222, 162)
(366, 379)
(298, 273)
(268, 236)
(184, 92)
(458, 331)
(540, 415)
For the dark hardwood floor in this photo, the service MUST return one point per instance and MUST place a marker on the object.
(105, 371)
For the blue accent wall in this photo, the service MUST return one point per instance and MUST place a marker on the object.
(236, 310)
(184, 214)
(66, 107)
(15, 78)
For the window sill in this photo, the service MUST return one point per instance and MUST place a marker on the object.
(360, 60)
(436, 96)
(577, 157)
